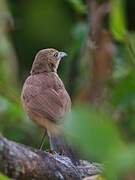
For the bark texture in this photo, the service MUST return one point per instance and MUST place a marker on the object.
(25, 163)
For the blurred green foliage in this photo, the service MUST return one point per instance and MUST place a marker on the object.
(94, 132)
(79, 6)
(106, 134)
(117, 19)
(3, 177)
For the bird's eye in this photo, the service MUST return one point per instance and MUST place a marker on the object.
(55, 54)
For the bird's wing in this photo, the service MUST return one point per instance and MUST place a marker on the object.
(48, 104)
(46, 96)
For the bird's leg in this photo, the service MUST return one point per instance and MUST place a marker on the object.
(58, 144)
(53, 142)
(43, 139)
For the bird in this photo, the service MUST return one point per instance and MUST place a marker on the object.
(45, 98)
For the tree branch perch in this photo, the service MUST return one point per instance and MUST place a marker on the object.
(25, 163)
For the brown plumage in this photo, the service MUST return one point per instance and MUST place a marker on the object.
(44, 96)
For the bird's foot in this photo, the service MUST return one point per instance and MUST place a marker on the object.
(52, 151)
(62, 153)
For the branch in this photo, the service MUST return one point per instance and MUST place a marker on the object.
(101, 48)
(98, 54)
(25, 163)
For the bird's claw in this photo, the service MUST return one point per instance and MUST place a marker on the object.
(53, 151)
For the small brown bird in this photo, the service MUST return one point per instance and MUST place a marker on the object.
(44, 96)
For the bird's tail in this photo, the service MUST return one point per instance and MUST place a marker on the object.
(60, 145)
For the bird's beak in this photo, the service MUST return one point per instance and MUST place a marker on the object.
(61, 55)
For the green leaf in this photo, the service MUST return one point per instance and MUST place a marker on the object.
(120, 163)
(117, 20)
(93, 132)
(79, 6)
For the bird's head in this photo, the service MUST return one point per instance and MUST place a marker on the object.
(47, 60)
